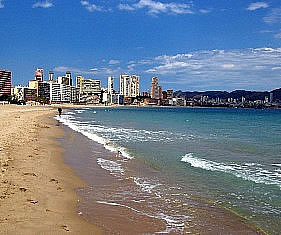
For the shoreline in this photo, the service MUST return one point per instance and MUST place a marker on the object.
(239, 221)
(41, 190)
(37, 193)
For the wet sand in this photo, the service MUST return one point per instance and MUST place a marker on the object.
(36, 189)
(116, 204)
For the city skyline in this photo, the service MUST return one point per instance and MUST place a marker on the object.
(189, 46)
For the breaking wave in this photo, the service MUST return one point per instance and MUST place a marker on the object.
(248, 171)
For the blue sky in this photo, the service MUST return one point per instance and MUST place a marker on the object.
(190, 45)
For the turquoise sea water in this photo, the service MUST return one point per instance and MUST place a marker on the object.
(229, 156)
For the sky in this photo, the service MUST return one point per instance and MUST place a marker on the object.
(189, 45)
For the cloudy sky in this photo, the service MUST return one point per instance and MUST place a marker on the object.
(190, 45)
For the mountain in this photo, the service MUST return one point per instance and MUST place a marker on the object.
(237, 94)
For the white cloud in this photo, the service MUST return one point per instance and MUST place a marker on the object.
(257, 5)
(91, 7)
(43, 4)
(278, 36)
(126, 7)
(205, 11)
(1, 4)
(228, 66)
(273, 17)
(113, 62)
(92, 71)
(221, 69)
(257, 69)
(156, 7)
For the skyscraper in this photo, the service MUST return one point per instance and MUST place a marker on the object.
(154, 88)
(51, 76)
(129, 85)
(68, 75)
(271, 97)
(5, 82)
(135, 87)
(110, 84)
(160, 96)
(38, 75)
(170, 94)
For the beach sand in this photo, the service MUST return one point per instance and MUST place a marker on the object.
(36, 189)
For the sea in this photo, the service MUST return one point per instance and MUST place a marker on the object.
(188, 167)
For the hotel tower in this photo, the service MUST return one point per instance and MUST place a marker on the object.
(5, 82)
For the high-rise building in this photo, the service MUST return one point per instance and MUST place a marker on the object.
(33, 84)
(25, 93)
(60, 93)
(110, 85)
(125, 85)
(44, 90)
(79, 83)
(38, 75)
(51, 76)
(135, 86)
(129, 85)
(154, 88)
(164, 95)
(5, 82)
(160, 96)
(68, 75)
(271, 97)
(170, 94)
(88, 88)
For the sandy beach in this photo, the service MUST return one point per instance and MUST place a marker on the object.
(37, 189)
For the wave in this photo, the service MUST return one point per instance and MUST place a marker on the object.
(145, 185)
(248, 171)
(173, 223)
(113, 167)
(86, 129)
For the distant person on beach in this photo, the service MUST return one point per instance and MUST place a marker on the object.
(59, 110)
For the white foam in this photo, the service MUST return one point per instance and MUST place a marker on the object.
(111, 166)
(145, 185)
(173, 223)
(276, 164)
(249, 171)
(89, 131)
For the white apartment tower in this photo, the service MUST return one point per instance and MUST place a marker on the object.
(69, 78)
(51, 76)
(129, 85)
(110, 84)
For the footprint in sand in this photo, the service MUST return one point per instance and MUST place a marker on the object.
(60, 189)
(31, 174)
(64, 227)
(32, 201)
(54, 180)
(22, 189)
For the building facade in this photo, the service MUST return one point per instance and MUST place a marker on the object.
(170, 94)
(154, 88)
(5, 82)
(51, 76)
(25, 93)
(110, 85)
(88, 86)
(38, 74)
(44, 90)
(60, 93)
(129, 85)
